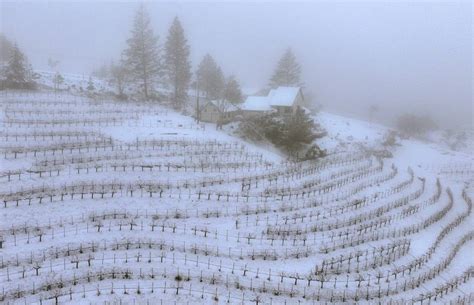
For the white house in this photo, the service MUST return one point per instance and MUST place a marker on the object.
(284, 100)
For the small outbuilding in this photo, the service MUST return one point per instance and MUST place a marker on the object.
(284, 100)
(218, 111)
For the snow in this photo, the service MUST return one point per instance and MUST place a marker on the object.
(344, 131)
(256, 103)
(224, 211)
(224, 105)
(283, 96)
(74, 82)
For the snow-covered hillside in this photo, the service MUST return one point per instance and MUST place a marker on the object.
(127, 203)
(74, 83)
(427, 157)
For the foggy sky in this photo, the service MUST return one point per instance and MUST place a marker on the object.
(401, 56)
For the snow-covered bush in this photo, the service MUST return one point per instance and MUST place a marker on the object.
(390, 138)
(414, 125)
(293, 133)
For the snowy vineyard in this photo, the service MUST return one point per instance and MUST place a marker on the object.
(120, 203)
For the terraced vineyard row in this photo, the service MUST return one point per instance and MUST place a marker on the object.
(175, 216)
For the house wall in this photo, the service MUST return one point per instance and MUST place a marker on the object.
(210, 114)
(282, 110)
(298, 102)
(230, 116)
(251, 113)
(287, 110)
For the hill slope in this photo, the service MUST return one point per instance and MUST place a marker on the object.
(134, 203)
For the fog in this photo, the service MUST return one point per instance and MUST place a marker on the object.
(400, 56)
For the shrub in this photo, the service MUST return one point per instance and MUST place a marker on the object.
(292, 133)
(390, 138)
(414, 125)
(314, 152)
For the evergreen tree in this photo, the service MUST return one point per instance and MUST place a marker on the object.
(287, 72)
(58, 79)
(90, 84)
(294, 133)
(177, 66)
(6, 48)
(203, 74)
(210, 78)
(141, 55)
(18, 72)
(298, 131)
(232, 91)
(218, 81)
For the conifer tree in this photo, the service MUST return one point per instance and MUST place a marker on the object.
(210, 78)
(232, 91)
(177, 66)
(18, 72)
(142, 55)
(218, 81)
(90, 84)
(299, 131)
(287, 72)
(58, 79)
(6, 48)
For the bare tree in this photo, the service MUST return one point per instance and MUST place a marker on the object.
(119, 76)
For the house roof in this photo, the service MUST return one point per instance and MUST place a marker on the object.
(256, 103)
(282, 96)
(223, 105)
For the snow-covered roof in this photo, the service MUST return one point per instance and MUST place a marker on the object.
(282, 96)
(256, 103)
(224, 105)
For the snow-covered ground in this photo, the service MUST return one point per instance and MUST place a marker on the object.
(344, 132)
(427, 157)
(119, 203)
(75, 83)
